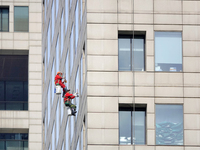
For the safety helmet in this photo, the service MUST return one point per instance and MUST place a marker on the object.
(59, 72)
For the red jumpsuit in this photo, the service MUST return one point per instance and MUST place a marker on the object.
(58, 79)
(68, 97)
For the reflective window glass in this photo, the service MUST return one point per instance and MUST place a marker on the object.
(13, 82)
(130, 60)
(168, 51)
(66, 13)
(21, 18)
(169, 124)
(132, 125)
(4, 19)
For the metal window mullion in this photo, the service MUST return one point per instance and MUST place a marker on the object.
(131, 128)
(131, 54)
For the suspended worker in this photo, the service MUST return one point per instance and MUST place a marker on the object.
(67, 100)
(58, 80)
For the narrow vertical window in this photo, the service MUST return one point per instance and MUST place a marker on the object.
(4, 19)
(71, 49)
(77, 90)
(21, 18)
(57, 122)
(67, 135)
(169, 124)
(77, 24)
(52, 82)
(52, 21)
(62, 34)
(57, 55)
(168, 51)
(66, 13)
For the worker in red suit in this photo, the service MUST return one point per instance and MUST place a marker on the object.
(67, 100)
(58, 80)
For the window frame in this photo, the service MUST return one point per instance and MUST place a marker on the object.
(14, 18)
(4, 7)
(132, 108)
(155, 52)
(130, 37)
(156, 127)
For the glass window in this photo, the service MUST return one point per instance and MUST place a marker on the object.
(77, 24)
(61, 110)
(21, 18)
(72, 49)
(132, 125)
(67, 68)
(82, 139)
(45, 65)
(63, 146)
(13, 82)
(66, 13)
(67, 136)
(77, 90)
(168, 51)
(169, 124)
(57, 55)
(72, 127)
(45, 130)
(48, 43)
(57, 5)
(49, 104)
(52, 82)
(4, 19)
(10, 141)
(53, 137)
(52, 20)
(62, 34)
(77, 146)
(131, 59)
(57, 122)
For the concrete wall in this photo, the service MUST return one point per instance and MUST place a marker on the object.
(31, 120)
(107, 87)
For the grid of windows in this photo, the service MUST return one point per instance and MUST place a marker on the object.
(11, 141)
(132, 124)
(21, 18)
(14, 82)
(131, 52)
(4, 19)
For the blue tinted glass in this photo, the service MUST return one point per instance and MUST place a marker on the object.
(125, 127)
(4, 18)
(1, 91)
(14, 91)
(21, 18)
(139, 128)
(138, 54)
(124, 55)
(168, 51)
(169, 124)
(2, 145)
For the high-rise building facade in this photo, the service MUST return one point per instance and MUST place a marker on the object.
(20, 75)
(136, 67)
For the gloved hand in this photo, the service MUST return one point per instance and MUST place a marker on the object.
(76, 94)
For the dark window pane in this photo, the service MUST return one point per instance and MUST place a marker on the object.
(14, 91)
(2, 145)
(125, 127)
(168, 51)
(21, 18)
(5, 19)
(169, 124)
(13, 82)
(124, 55)
(138, 54)
(1, 91)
